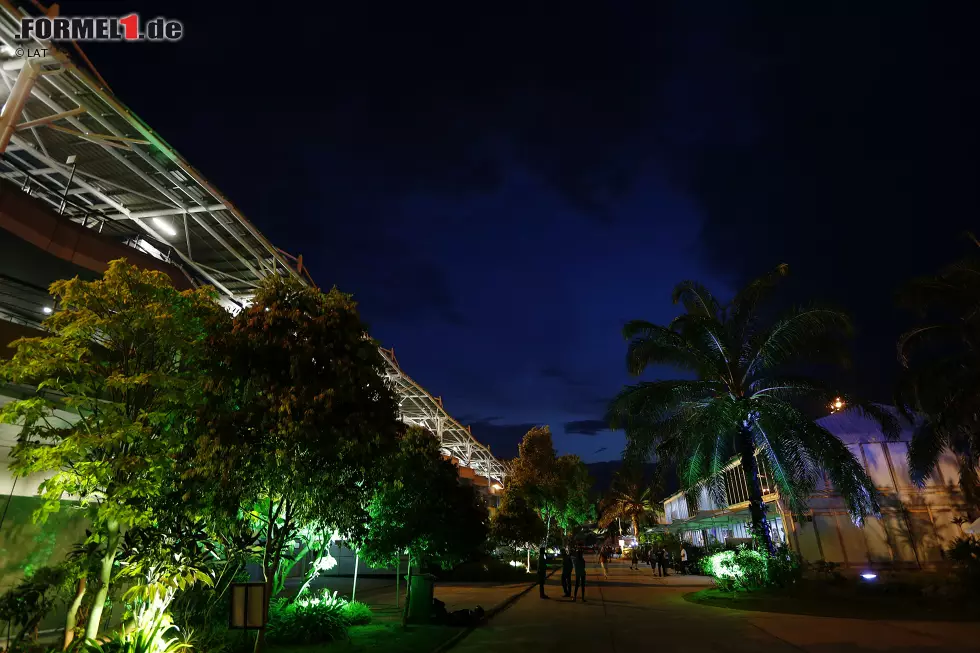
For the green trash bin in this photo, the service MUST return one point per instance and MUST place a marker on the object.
(420, 598)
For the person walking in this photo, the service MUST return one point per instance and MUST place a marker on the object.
(604, 563)
(662, 562)
(633, 559)
(579, 575)
(542, 573)
(683, 560)
(566, 572)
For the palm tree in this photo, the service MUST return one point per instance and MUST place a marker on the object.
(941, 373)
(627, 499)
(740, 401)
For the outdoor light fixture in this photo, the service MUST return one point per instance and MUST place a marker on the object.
(47, 310)
(165, 226)
(497, 486)
(869, 576)
(836, 405)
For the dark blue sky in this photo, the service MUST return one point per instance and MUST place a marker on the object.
(501, 188)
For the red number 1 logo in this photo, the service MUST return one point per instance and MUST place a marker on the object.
(132, 26)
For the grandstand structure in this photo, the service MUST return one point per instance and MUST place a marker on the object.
(84, 180)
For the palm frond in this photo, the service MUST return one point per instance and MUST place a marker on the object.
(697, 299)
(655, 345)
(848, 476)
(926, 447)
(800, 335)
(651, 402)
(708, 336)
(746, 302)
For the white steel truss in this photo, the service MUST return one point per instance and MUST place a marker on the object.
(68, 141)
(419, 408)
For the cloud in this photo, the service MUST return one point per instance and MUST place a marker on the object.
(586, 426)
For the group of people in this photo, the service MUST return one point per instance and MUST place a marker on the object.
(569, 561)
(660, 561)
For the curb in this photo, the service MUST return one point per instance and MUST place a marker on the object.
(490, 614)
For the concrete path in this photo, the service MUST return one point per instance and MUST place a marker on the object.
(632, 610)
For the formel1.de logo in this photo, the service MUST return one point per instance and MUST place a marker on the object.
(100, 28)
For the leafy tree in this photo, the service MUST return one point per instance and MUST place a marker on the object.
(535, 475)
(940, 383)
(421, 507)
(124, 356)
(299, 417)
(740, 401)
(575, 506)
(556, 487)
(627, 499)
(517, 524)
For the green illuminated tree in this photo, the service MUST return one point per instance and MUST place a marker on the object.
(299, 416)
(517, 524)
(421, 507)
(574, 505)
(741, 400)
(941, 373)
(117, 379)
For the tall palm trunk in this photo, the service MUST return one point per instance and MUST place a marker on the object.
(105, 576)
(636, 527)
(757, 508)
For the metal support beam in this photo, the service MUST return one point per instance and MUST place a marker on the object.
(49, 119)
(21, 91)
(165, 212)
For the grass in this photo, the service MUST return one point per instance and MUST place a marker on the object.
(851, 601)
(387, 637)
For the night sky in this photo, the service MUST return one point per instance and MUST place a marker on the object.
(502, 186)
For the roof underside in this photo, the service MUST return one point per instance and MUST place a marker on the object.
(127, 182)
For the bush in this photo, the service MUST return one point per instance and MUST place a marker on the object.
(357, 613)
(152, 638)
(965, 554)
(314, 618)
(296, 622)
(745, 569)
(23, 607)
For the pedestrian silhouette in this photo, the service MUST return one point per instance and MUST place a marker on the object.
(542, 573)
(566, 572)
(579, 575)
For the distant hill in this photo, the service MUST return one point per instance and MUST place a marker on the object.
(603, 473)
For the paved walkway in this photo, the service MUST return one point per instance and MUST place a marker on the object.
(632, 610)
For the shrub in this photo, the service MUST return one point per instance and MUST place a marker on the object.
(314, 618)
(300, 622)
(746, 569)
(357, 613)
(965, 554)
(151, 638)
(23, 607)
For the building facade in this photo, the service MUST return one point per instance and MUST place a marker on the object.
(915, 527)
